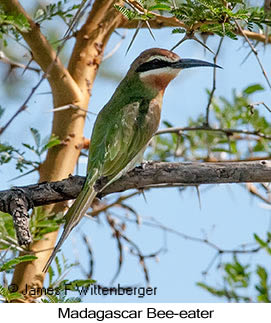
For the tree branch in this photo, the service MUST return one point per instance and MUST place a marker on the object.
(46, 57)
(227, 131)
(162, 22)
(70, 86)
(18, 205)
(153, 174)
(90, 43)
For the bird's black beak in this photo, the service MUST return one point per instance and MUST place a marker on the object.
(189, 62)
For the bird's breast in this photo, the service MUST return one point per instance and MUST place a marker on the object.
(153, 115)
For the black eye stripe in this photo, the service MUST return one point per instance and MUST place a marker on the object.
(152, 65)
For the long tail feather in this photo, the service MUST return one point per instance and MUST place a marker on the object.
(73, 216)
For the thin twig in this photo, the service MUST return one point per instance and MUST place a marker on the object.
(24, 105)
(76, 18)
(118, 202)
(71, 106)
(228, 132)
(116, 47)
(44, 76)
(247, 56)
(7, 60)
(214, 83)
(253, 190)
(119, 236)
(157, 224)
(260, 103)
(254, 51)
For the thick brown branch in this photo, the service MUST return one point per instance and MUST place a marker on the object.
(70, 86)
(17, 204)
(90, 43)
(161, 22)
(148, 175)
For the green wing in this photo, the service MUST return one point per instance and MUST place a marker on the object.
(118, 136)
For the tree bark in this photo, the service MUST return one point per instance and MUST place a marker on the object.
(152, 174)
(72, 86)
(69, 86)
(18, 200)
(159, 21)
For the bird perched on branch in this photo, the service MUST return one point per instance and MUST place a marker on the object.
(125, 125)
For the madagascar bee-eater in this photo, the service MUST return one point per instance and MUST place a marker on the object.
(125, 125)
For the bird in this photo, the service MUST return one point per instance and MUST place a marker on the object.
(125, 126)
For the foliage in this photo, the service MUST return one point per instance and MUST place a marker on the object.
(209, 16)
(8, 292)
(7, 232)
(9, 296)
(40, 146)
(237, 279)
(12, 24)
(238, 129)
(56, 9)
(62, 286)
(239, 113)
(41, 223)
(57, 289)
(15, 261)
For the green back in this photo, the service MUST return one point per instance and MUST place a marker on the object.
(121, 129)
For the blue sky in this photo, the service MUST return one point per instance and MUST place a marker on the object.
(229, 215)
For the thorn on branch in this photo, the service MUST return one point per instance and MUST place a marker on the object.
(156, 174)
(190, 35)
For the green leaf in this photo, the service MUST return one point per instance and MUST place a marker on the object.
(73, 285)
(15, 261)
(253, 88)
(263, 286)
(51, 274)
(161, 7)
(2, 110)
(53, 141)
(260, 241)
(18, 21)
(15, 295)
(6, 229)
(36, 135)
(178, 31)
(8, 295)
(58, 266)
(56, 9)
(127, 13)
(32, 148)
(167, 124)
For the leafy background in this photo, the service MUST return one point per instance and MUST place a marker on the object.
(183, 269)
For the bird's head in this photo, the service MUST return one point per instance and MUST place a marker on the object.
(156, 67)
